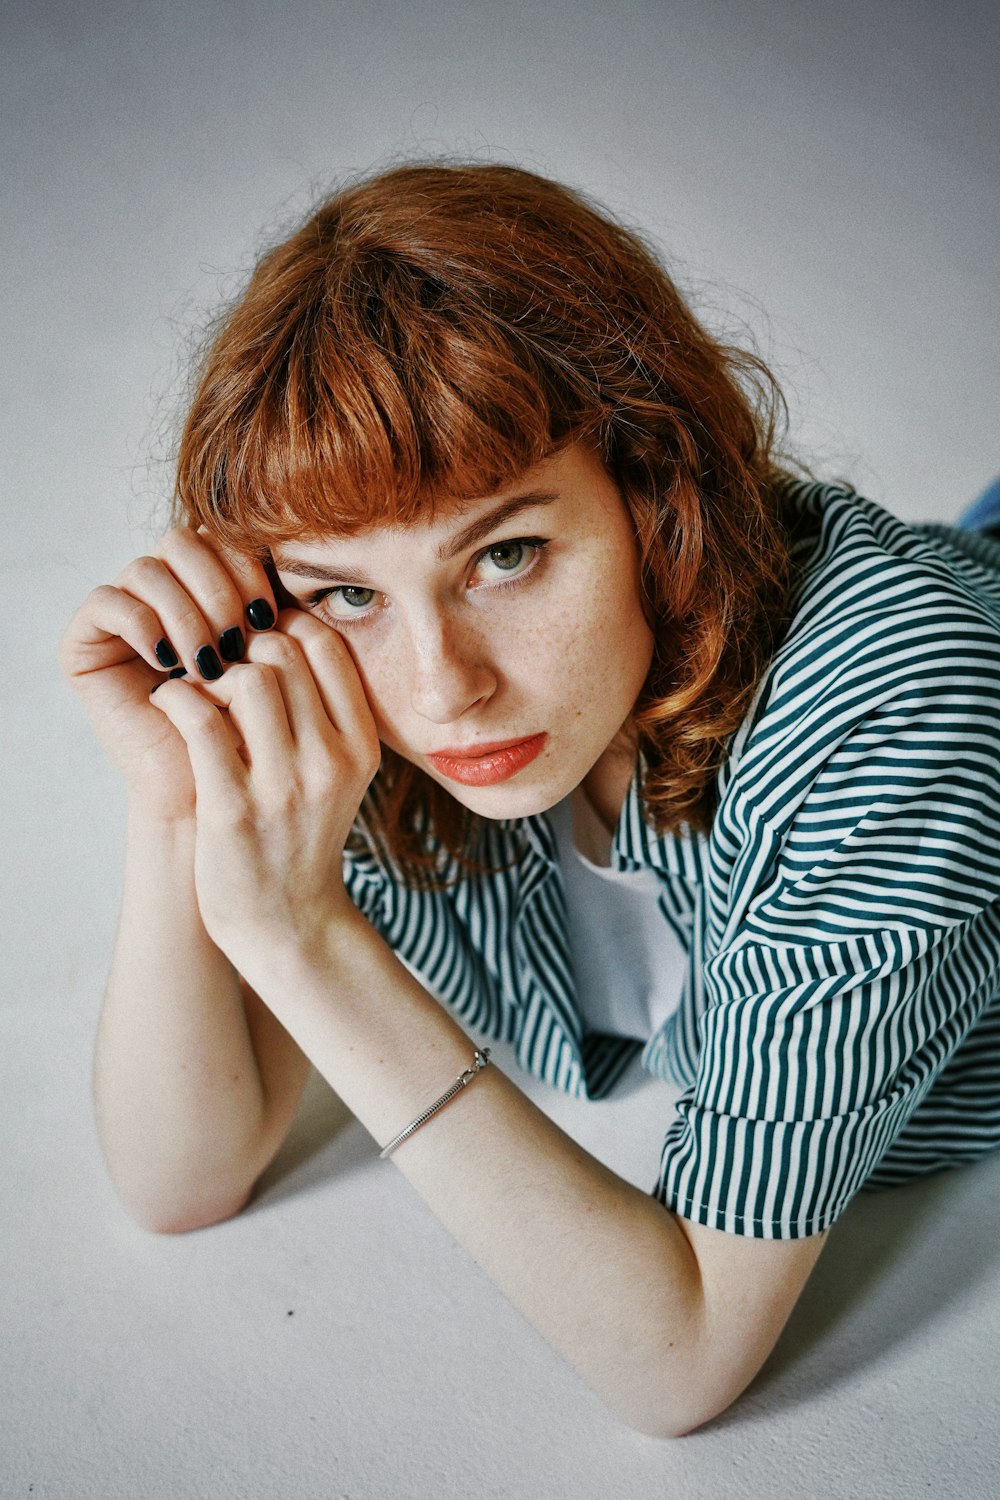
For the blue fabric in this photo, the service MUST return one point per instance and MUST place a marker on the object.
(983, 514)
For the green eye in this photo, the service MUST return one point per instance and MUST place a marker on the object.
(357, 598)
(507, 555)
(515, 559)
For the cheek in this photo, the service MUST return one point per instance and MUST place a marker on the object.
(602, 640)
(545, 654)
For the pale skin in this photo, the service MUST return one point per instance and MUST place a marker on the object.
(240, 958)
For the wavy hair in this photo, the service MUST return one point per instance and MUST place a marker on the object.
(433, 331)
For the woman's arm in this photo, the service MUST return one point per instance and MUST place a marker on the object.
(666, 1321)
(195, 1081)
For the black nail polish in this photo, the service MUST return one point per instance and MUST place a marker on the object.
(208, 663)
(260, 614)
(178, 672)
(232, 644)
(165, 654)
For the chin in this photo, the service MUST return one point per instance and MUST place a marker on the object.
(509, 799)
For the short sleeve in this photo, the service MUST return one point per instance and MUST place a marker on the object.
(866, 946)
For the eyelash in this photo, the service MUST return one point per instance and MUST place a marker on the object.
(536, 543)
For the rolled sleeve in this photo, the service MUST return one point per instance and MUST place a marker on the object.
(815, 1054)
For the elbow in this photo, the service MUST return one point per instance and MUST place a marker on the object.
(666, 1421)
(679, 1424)
(180, 1193)
(172, 1216)
(679, 1396)
(669, 1418)
(187, 1222)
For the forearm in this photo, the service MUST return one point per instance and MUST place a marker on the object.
(187, 1088)
(601, 1269)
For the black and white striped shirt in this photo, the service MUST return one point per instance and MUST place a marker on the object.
(840, 1020)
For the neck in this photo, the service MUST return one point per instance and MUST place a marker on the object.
(607, 782)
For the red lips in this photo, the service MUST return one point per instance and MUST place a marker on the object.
(488, 763)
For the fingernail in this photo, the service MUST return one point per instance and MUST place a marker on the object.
(208, 663)
(260, 614)
(232, 644)
(165, 653)
(177, 672)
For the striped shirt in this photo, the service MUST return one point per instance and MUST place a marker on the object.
(839, 1025)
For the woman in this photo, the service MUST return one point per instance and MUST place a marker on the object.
(496, 672)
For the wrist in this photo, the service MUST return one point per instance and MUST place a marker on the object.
(303, 953)
(167, 825)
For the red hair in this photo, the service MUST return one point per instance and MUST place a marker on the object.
(432, 332)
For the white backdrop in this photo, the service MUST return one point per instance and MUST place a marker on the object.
(825, 177)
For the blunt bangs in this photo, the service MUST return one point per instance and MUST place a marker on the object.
(364, 380)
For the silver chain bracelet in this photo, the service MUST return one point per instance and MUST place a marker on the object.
(479, 1062)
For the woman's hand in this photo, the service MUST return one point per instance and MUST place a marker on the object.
(276, 800)
(186, 605)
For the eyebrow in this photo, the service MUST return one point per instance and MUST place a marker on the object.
(475, 532)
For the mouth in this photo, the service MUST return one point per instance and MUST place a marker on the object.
(488, 764)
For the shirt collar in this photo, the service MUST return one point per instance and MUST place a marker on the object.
(636, 845)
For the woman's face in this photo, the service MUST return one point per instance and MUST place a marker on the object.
(501, 646)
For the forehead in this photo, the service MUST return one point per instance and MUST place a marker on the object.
(449, 522)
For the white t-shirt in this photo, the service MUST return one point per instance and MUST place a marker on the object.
(628, 962)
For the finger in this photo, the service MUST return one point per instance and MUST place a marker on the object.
(335, 675)
(185, 637)
(111, 627)
(201, 570)
(304, 706)
(253, 584)
(251, 695)
(219, 773)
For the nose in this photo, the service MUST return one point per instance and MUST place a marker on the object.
(450, 671)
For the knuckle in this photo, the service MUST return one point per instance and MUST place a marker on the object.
(282, 799)
(250, 681)
(172, 541)
(205, 722)
(241, 564)
(365, 765)
(250, 676)
(93, 609)
(198, 717)
(304, 628)
(186, 621)
(275, 649)
(221, 599)
(142, 571)
(101, 598)
(182, 538)
(231, 809)
(135, 615)
(330, 644)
